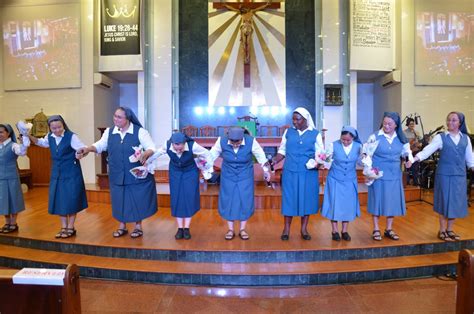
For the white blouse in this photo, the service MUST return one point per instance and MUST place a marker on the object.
(437, 144)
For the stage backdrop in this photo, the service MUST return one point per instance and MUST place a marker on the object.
(41, 47)
(292, 71)
(444, 42)
(120, 36)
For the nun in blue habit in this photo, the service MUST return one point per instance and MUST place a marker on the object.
(11, 196)
(67, 192)
(300, 181)
(386, 196)
(455, 147)
(133, 199)
(236, 194)
(184, 179)
(341, 198)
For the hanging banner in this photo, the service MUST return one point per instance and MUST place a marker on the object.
(120, 27)
(372, 40)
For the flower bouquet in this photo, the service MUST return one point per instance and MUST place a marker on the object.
(140, 172)
(323, 158)
(371, 173)
(24, 129)
(206, 168)
(137, 152)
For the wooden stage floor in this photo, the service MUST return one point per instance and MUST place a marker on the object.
(95, 226)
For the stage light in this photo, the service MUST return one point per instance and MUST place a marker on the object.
(221, 110)
(210, 110)
(275, 110)
(254, 110)
(198, 110)
(265, 111)
(284, 110)
(232, 110)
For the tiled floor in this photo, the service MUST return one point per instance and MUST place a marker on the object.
(431, 295)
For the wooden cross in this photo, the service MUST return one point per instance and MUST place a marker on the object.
(246, 9)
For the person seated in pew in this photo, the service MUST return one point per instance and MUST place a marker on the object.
(184, 178)
(236, 194)
(11, 196)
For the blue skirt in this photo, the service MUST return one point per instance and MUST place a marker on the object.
(341, 200)
(300, 193)
(386, 198)
(184, 192)
(67, 196)
(450, 198)
(134, 202)
(236, 199)
(11, 197)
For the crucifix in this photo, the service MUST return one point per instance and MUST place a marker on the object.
(246, 9)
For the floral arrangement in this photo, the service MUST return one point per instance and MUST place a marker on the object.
(323, 158)
(24, 129)
(371, 173)
(137, 152)
(140, 172)
(205, 167)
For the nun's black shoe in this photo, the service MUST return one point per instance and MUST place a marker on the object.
(336, 236)
(180, 234)
(346, 236)
(186, 234)
(305, 236)
(285, 237)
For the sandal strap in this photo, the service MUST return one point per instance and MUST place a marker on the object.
(136, 233)
(229, 234)
(392, 234)
(452, 235)
(120, 232)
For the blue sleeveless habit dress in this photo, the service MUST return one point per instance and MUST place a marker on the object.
(132, 199)
(386, 196)
(67, 192)
(184, 182)
(300, 186)
(341, 198)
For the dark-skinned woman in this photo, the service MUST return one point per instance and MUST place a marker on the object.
(300, 183)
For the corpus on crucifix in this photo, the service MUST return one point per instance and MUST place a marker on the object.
(246, 9)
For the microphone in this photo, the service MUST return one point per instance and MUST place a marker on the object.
(416, 120)
(270, 161)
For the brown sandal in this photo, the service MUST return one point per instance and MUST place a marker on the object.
(376, 235)
(450, 234)
(229, 235)
(244, 235)
(10, 228)
(136, 233)
(120, 232)
(442, 235)
(60, 233)
(391, 234)
(68, 233)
